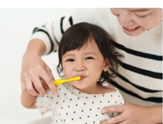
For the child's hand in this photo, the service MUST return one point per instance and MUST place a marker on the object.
(129, 114)
(36, 76)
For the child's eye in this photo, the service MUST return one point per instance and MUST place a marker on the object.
(69, 60)
(89, 58)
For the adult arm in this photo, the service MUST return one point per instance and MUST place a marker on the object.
(36, 76)
(28, 100)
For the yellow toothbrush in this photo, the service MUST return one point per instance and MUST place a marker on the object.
(61, 81)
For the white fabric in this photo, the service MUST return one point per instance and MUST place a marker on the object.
(71, 106)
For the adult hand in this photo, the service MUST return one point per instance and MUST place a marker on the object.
(129, 114)
(36, 76)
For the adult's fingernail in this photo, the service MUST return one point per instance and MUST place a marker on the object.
(55, 93)
(103, 111)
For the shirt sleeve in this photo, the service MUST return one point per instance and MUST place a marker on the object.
(43, 103)
(51, 33)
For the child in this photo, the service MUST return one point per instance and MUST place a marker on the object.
(87, 51)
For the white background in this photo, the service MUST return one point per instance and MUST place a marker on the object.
(16, 27)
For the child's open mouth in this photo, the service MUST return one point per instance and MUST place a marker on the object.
(82, 77)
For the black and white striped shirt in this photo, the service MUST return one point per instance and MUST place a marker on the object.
(140, 72)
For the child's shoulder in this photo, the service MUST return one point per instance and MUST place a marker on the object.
(109, 89)
(104, 89)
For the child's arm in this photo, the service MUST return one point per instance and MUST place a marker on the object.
(27, 100)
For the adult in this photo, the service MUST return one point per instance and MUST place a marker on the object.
(137, 33)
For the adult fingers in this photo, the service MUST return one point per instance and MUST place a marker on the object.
(30, 88)
(115, 120)
(44, 85)
(124, 122)
(38, 85)
(23, 85)
(49, 81)
(48, 70)
(113, 109)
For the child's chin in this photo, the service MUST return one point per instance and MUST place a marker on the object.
(79, 86)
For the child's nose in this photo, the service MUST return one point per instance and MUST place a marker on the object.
(80, 68)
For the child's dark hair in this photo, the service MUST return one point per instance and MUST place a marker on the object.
(79, 34)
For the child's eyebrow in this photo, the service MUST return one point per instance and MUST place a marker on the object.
(70, 54)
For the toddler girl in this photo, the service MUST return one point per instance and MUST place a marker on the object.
(87, 51)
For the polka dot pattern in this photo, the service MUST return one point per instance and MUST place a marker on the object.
(74, 107)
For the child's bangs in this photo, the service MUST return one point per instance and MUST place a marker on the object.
(76, 43)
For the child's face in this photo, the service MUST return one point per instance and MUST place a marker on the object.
(87, 62)
(137, 20)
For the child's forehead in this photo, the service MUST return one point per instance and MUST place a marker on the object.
(90, 43)
(89, 47)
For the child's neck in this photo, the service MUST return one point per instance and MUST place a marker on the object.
(96, 89)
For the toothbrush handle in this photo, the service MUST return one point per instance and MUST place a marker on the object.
(72, 79)
(56, 82)
(68, 80)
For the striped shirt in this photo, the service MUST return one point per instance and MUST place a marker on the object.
(140, 71)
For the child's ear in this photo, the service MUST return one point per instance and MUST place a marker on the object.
(106, 65)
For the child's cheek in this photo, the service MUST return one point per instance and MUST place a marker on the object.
(67, 71)
(95, 71)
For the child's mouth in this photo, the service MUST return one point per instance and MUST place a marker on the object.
(82, 77)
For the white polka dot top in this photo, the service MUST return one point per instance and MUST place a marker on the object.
(74, 107)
